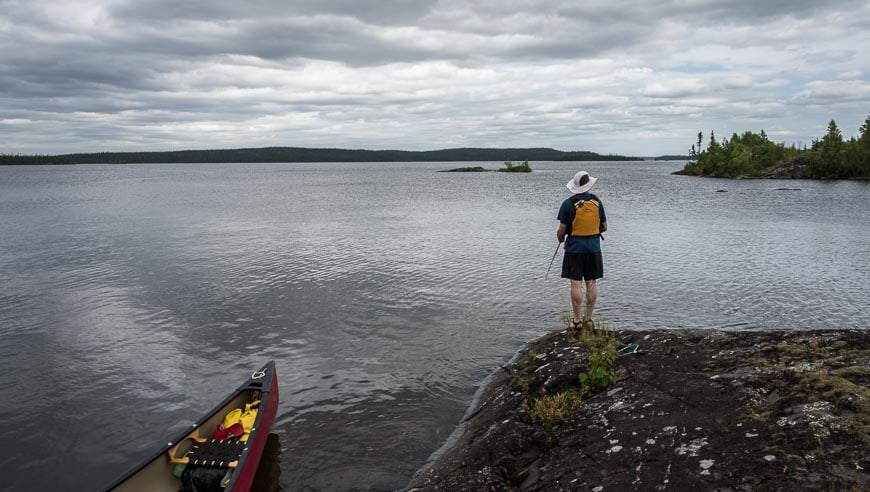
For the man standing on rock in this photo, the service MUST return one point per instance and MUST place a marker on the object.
(582, 220)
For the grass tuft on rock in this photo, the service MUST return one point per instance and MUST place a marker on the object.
(550, 409)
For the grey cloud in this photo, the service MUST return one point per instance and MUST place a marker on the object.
(582, 45)
(146, 66)
(829, 56)
(697, 14)
(381, 12)
(319, 38)
(346, 31)
(58, 76)
(834, 92)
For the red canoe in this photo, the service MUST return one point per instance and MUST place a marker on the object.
(198, 448)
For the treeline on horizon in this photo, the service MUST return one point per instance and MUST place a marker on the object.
(301, 154)
(753, 154)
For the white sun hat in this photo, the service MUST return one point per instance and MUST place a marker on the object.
(581, 183)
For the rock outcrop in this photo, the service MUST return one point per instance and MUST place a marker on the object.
(794, 168)
(698, 409)
(475, 169)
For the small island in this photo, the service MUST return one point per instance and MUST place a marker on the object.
(754, 155)
(475, 169)
(509, 167)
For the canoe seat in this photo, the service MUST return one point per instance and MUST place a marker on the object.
(212, 452)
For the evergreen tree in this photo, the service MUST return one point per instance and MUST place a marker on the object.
(861, 155)
(828, 161)
(864, 133)
(834, 138)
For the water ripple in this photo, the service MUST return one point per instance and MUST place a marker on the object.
(137, 295)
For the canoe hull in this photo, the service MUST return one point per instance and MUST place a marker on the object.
(155, 473)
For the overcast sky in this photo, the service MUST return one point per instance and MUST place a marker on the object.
(638, 78)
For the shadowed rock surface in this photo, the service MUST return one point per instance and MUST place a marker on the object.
(794, 168)
(475, 169)
(694, 409)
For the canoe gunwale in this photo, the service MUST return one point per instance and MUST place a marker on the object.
(268, 387)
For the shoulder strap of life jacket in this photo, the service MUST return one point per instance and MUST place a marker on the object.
(578, 202)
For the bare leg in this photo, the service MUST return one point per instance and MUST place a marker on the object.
(591, 297)
(576, 298)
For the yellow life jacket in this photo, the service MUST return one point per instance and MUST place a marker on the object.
(587, 221)
(245, 417)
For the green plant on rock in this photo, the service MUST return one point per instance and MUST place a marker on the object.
(601, 371)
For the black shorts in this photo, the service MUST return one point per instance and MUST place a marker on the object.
(580, 266)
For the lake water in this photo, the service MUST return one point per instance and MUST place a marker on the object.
(133, 298)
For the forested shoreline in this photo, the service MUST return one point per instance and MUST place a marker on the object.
(302, 154)
(754, 155)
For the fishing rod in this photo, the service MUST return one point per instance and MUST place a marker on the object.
(551, 261)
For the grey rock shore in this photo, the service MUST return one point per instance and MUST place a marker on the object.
(696, 409)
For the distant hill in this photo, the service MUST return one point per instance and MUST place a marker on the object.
(673, 158)
(302, 154)
(584, 155)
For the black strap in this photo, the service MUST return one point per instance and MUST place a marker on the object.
(579, 201)
(216, 453)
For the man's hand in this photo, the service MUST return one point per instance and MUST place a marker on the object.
(560, 233)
